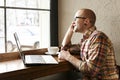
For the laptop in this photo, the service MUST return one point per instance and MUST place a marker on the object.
(33, 59)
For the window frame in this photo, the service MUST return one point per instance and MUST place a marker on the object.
(53, 22)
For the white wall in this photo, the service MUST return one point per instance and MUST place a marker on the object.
(108, 18)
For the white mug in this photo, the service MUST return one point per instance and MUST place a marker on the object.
(53, 50)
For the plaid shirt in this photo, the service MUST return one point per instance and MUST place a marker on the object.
(97, 57)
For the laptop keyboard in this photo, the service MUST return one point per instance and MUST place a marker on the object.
(34, 59)
(41, 59)
(37, 59)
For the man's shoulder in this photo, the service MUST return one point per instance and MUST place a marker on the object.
(98, 33)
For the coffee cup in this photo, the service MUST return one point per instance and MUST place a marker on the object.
(53, 50)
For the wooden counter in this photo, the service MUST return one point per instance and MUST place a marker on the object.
(16, 70)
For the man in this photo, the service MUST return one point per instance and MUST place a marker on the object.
(96, 50)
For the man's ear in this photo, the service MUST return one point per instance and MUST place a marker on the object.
(86, 21)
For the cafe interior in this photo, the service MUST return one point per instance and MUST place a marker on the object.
(41, 24)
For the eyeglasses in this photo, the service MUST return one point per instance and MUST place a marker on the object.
(79, 17)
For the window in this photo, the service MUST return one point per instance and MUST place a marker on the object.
(33, 20)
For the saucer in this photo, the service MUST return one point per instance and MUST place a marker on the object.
(48, 53)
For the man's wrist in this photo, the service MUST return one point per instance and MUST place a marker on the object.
(68, 58)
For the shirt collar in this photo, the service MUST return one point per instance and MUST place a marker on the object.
(89, 32)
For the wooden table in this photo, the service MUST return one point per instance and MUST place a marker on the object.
(16, 70)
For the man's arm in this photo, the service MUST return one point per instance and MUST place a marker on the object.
(67, 38)
(65, 55)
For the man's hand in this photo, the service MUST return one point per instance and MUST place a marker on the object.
(64, 55)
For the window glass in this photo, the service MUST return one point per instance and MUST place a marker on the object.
(2, 36)
(42, 4)
(1, 2)
(32, 28)
(30, 19)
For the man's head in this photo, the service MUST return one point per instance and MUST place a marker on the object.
(84, 19)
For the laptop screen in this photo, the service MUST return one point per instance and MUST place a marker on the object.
(18, 45)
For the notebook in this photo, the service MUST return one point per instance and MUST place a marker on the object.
(33, 59)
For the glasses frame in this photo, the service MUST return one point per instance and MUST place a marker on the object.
(79, 17)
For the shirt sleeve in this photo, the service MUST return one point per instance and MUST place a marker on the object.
(73, 48)
(96, 55)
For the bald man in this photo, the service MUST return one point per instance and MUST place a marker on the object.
(97, 57)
